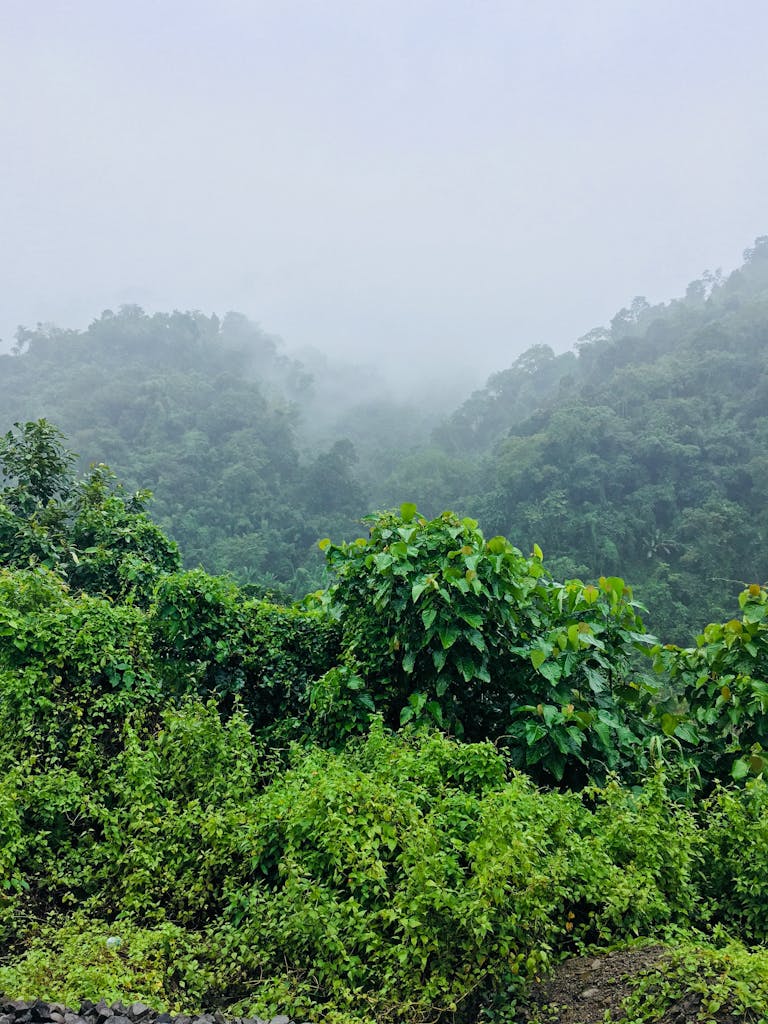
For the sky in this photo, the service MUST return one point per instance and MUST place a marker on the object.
(425, 184)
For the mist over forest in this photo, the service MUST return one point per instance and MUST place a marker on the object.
(637, 452)
(383, 512)
(463, 685)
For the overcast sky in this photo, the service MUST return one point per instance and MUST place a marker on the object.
(389, 180)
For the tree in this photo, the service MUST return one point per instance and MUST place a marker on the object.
(93, 534)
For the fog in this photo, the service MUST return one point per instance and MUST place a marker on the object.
(416, 184)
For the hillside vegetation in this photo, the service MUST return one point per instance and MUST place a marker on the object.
(640, 453)
(403, 800)
(643, 452)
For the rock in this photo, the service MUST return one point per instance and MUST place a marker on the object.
(280, 1019)
(589, 993)
(120, 1018)
(138, 1012)
(103, 1011)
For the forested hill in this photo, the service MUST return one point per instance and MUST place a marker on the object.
(204, 413)
(641, 453)
(645, 451)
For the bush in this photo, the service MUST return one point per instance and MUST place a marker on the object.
(404, 876)
(213, 641)
(721, 686)
(734, 872)
(71, 669)
(445, 628)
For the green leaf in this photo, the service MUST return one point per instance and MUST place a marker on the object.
(428, 616)
(551, 671)
(669, 724)
(435, 712)
(534, 731)
(448, 635)
(538, 657)
(439, 659)
(687, 733)
(407, 511)
(497, 545)
(740, 769)
(549, 713)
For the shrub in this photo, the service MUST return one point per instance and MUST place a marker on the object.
(214, 641)
(734, 871)
(445, 628)
(721, 684)
(71, 669)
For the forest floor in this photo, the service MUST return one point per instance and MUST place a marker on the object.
(582, 990)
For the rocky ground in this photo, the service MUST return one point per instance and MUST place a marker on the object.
(39, 1012)
(584, 989)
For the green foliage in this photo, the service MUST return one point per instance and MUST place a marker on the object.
(116, 548)
(647, 866)
(147, 796)
(449, 629)
(80, 958)
(214, 641)
(721, 687)
(727, 983)
(90, 532)
(70, 668)
(428, 610)
(734, 873)
(203, 410)
(37, 469)
(404, 875)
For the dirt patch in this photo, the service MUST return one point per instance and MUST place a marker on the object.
(583, 988)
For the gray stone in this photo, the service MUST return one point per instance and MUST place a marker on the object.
(138, 1011)
(280, 1019)
(589, 993)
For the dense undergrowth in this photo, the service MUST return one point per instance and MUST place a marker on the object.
(400, 802)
